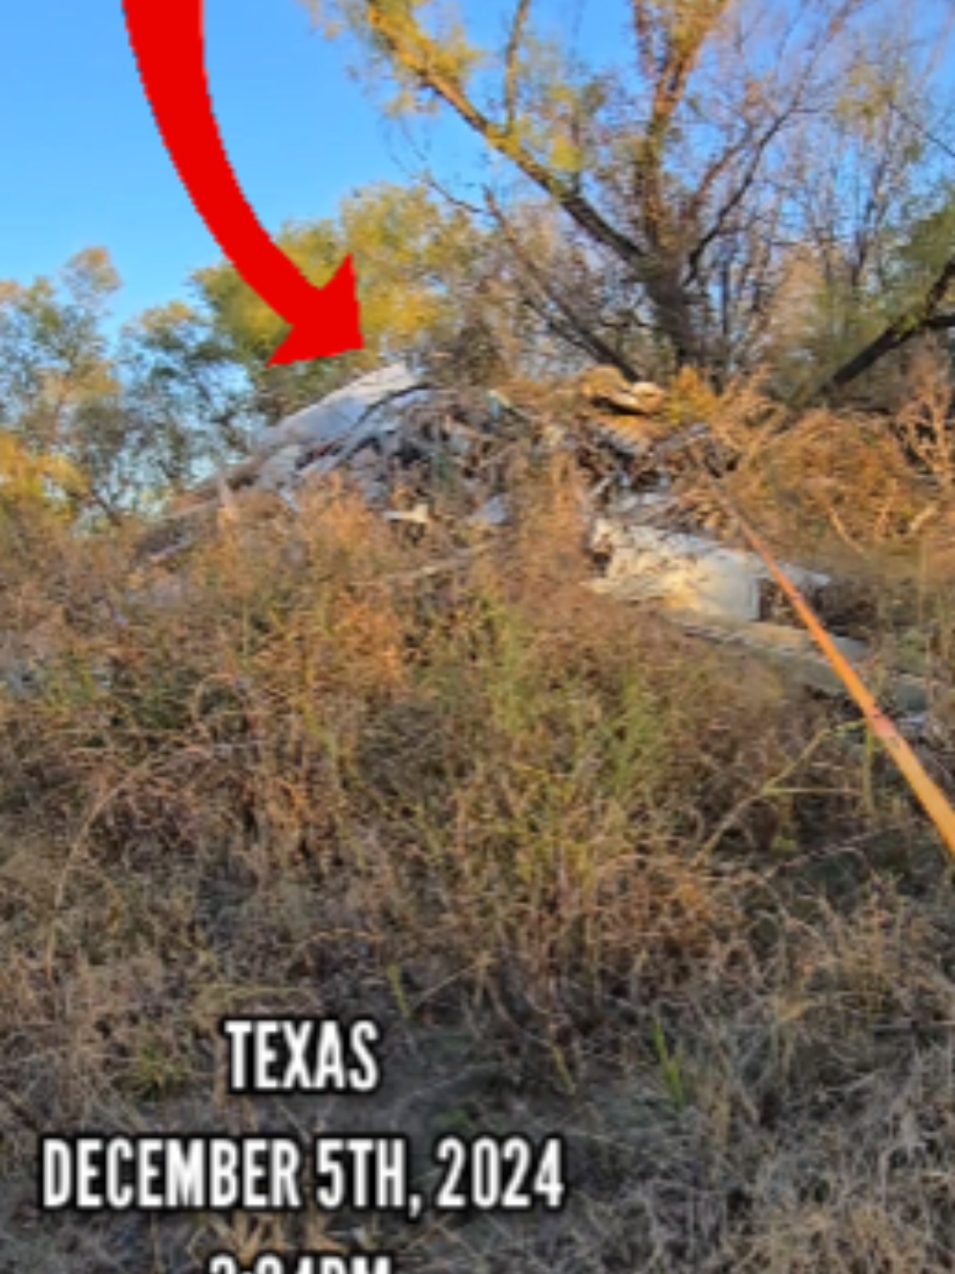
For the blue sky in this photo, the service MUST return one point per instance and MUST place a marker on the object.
(85, 165)
(84, 162)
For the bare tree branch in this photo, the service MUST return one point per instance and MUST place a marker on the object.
(918, 318)
(518, 25)
(587, 337)
(418, 54)
(735, 198)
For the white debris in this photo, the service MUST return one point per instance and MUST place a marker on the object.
(345, 419)
(796, 651)
(492, 513)
(639, 506)
(418, 516)
(279, 469)
(685, 571)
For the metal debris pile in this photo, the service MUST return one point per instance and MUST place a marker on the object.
(421, 454)
(417, 452)
(410, 450)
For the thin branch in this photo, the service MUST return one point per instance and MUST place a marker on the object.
(920, 128)
(735, 199)
(588, 339)
(419, 55)
(518, 25)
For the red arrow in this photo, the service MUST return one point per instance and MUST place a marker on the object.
(166, 36)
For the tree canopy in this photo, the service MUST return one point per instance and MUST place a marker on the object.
(728, 141)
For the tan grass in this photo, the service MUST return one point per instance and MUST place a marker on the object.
(641, 882)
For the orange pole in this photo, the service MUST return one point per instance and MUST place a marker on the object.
(931, 796)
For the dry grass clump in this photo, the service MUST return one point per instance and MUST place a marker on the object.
(866, 498)
(836, 484)
(835, 476)
(640, 881)
(841, 481)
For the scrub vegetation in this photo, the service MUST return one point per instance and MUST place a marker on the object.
(590, 876)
